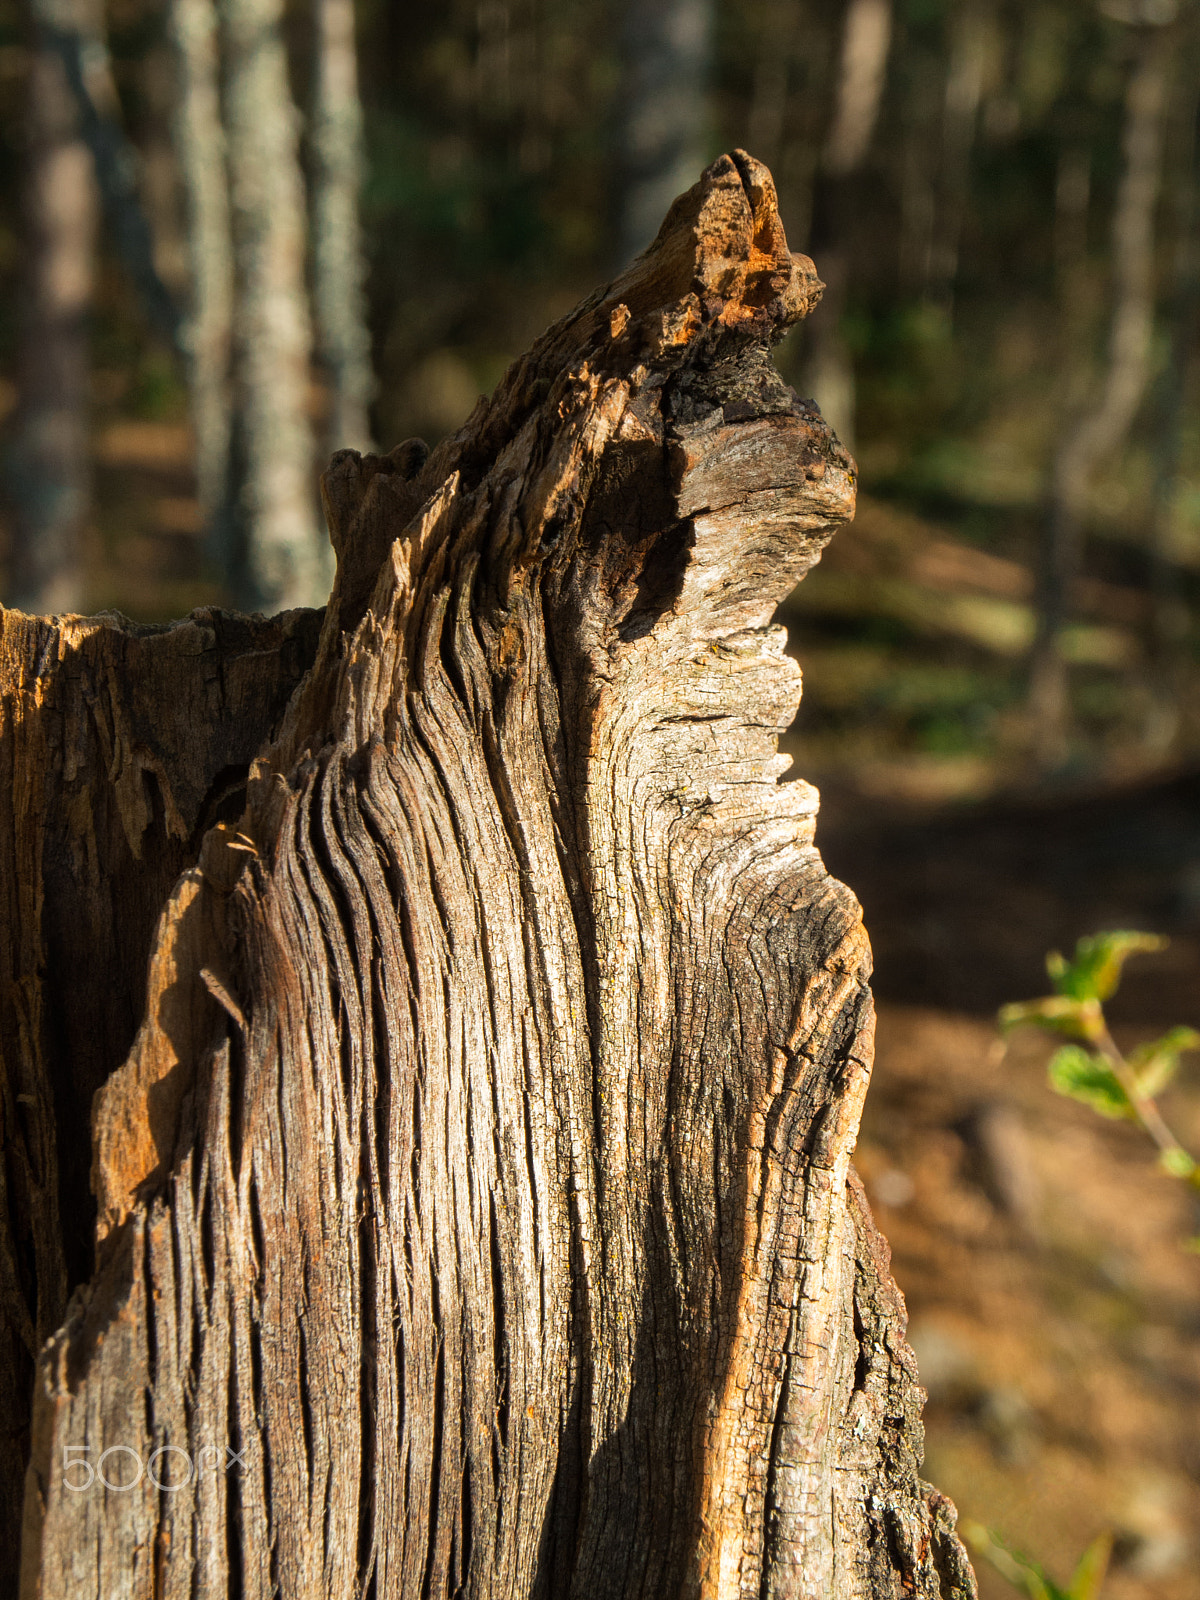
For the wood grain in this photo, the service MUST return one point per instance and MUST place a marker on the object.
(480, 1175)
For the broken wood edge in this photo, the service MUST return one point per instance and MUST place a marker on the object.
(445, 542)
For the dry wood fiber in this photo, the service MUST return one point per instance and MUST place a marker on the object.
(479, 1177)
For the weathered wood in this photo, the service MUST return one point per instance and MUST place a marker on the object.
(479, 1176)
(120, 746)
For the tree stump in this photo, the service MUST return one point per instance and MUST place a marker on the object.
(474, 1210)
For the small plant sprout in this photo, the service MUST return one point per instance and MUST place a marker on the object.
(1030, 1578)
(1090, 1067)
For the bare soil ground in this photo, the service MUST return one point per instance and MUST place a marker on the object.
(1054, 1309)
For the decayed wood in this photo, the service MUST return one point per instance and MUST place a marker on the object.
(119, 747)
(475, 1211)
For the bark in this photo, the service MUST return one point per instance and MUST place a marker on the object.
(278, 559)
(339, 267)
(1102, 427)
(49, 481)
(200, 145)
(119, 746)
(479, 1175)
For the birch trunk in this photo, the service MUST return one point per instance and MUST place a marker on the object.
(49, 478)
(200, 146)
(971, 31)
(339, 267)
(866, 41)
(474, 1205)
(76, 30)
(1101, 428)
(665, 50)
(279, 559)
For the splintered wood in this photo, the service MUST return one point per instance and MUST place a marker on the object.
(475, 1208)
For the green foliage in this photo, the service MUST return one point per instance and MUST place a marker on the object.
(1178, 1163)
(1095, 970)
(1092, 1069)
(1081, 1075)
(1087, 1076)
(1031, 1578)
(157, 392)
(1156, 1062)
(1055, 1013)
(1081, 986)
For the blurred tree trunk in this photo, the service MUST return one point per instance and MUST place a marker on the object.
(970, 38)
(475, 1209)
(78, 32)
(161, 178)
(200, 145)
(1101, 428)
(793, 51)
(1170, 618)
(49, 478)
(766, 114)
(793, 46)
(866, 39)
(339, 269)
(279, 558)
(666, 46)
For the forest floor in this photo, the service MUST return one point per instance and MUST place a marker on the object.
(1053, 1307)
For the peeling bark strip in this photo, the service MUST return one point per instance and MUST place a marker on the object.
(475, 1204)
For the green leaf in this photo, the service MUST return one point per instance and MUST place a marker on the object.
(1090, 1573)
(1020, 1571)
(1156, 1063)
(1055, 1013)
(1030, 1577)
(1177, 1162)
(1056, 966)
(1081, 1075)
(1094, 971)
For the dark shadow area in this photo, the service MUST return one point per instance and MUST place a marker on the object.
(962, 902)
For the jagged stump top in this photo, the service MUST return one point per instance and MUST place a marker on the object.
(482, 1163)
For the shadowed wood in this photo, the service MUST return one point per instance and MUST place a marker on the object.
(120, 745)
(475, 1208)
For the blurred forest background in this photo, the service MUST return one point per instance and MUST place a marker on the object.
(238, 234)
